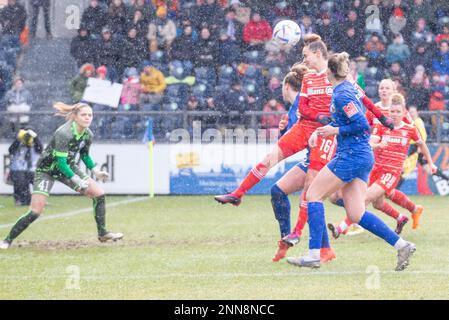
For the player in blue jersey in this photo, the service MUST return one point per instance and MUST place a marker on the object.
(348, 170)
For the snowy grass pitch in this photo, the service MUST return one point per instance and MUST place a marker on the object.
(194, 248)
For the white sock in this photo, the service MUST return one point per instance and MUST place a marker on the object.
(314, 254)
(400, 217)
(401, 243)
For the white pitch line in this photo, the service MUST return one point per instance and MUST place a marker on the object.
(228, 275)
(79, 211)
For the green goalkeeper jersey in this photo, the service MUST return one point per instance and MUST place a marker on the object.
(66, 142)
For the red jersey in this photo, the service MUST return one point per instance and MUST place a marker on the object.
(398, 140)
(316, 90)
(373, 121)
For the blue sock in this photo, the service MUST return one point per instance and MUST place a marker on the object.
(281, 208)
(316, 224)
(375, 225)
(340, 203)
(325, 242)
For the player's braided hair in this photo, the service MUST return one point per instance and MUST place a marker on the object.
(314, 42)
(339, 65)
(68, 111)
(295, 76)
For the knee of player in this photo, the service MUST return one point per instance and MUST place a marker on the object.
(276, 192)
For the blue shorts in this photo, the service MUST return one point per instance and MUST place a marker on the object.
(348, 167)
(304, 163)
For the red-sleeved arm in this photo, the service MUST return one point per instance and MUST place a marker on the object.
(306, 112)
(371, 107)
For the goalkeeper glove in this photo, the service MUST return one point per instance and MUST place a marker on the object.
(80, 183)
(102, 176)
(386, 122)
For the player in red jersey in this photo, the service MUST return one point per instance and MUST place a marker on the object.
(390, 150)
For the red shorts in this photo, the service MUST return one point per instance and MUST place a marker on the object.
(297, 139)
(294, 140)
(322, 153)
(384, 178)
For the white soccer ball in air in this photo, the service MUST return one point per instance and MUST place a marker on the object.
(287, 32)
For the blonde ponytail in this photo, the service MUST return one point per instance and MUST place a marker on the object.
(68, 111)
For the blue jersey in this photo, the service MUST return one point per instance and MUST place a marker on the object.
(348, 114)
(292, 115)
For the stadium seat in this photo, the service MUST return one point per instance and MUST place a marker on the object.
(205, 75)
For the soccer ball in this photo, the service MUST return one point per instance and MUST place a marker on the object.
(287, 32)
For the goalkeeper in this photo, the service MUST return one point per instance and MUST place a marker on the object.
(58, 163)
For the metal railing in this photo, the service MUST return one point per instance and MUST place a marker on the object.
(130, 126)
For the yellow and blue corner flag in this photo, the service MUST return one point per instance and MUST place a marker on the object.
(149, 136)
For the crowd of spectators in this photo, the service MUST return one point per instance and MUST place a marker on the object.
(14, 97)
(218, 55)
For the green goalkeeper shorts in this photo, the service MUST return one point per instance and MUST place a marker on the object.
(43, 181)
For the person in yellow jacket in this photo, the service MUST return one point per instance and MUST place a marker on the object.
(153, 85)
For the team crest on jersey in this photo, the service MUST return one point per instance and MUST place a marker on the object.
(329, 90)
(350, 109)
(82, 144)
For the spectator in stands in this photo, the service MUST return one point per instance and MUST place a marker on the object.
(375, 49)
(352, 42)
(162, 30)
(208, 13)
(256, 32)
(117, 17)
(421, 9)
(82, 47)
(440, 62)
(36, 5)
(420, 88)
(355, 74)
(444, 35)
(229, 50)
(397, 21)
(18, 99)
(79, 83)
(107, 50)
(274, 89)
(306, 25)
(13, 20)
(145, 7)
(232, 26)
(271, 121)
(328, 31)
(207, 51)
(234, 100)
(436, 102)
(398, 51)
(139, 23)
(133, 51)
(24, 153)
(421, 33)
(183, 47)
(153, 85)
(275, 55)
(396, 73)
(129, 101)
(94, 17)
(353, 20)
(421, 56)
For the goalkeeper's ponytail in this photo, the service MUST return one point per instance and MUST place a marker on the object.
(68, 111)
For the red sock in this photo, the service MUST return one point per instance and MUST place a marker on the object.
(302, 216)
(402, 200)
(389, 210)
(254, 176)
